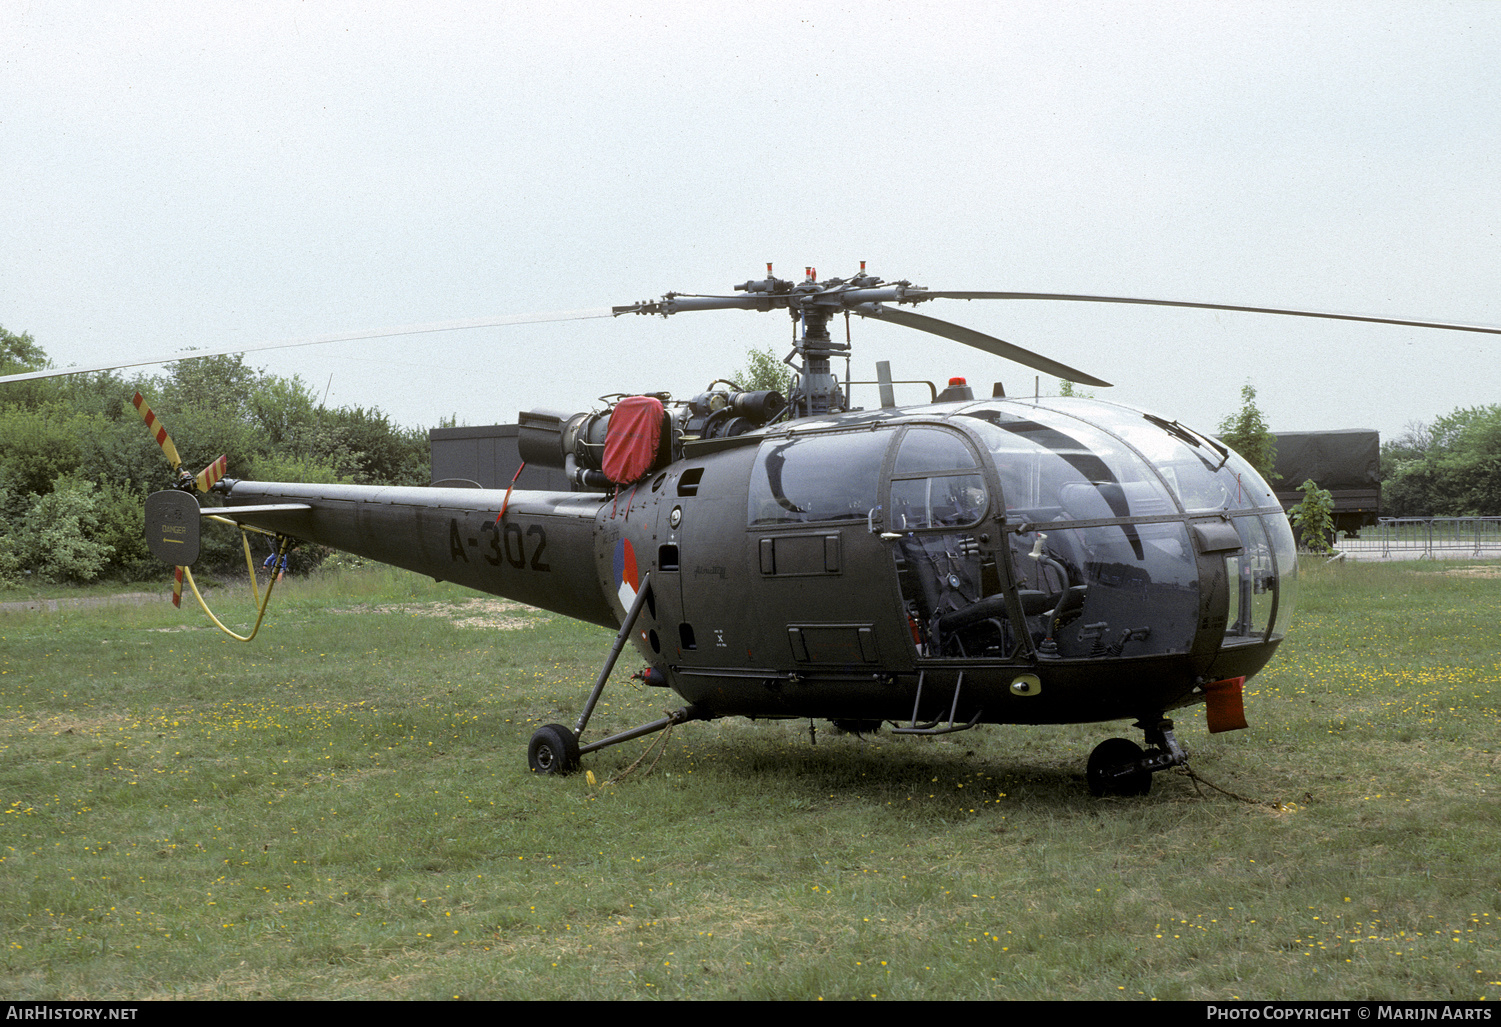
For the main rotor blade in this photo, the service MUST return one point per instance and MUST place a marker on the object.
(979, 340)
(319, 340)
(677, 303)
(1369, 318)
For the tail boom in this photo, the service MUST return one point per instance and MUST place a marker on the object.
(541, 553)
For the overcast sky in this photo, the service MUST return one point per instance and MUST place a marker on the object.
(209, 174)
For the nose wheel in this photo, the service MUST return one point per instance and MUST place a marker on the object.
(1118, 766)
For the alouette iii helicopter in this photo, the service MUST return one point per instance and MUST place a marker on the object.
(965, 562)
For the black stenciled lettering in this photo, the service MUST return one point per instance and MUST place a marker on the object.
(493, 556)
(517, 558)
(537, 564)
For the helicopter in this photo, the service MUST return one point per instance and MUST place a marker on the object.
(1000, 560)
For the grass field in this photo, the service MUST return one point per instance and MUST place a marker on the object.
(341, 809)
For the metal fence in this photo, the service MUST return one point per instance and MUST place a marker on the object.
(1432, 536)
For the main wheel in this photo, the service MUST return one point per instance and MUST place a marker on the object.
(1109, 754)
(554, 750)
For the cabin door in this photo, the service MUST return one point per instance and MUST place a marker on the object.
(826, 593)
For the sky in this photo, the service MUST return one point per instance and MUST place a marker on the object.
(204, 175)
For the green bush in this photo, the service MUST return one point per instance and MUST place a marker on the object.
(57, 540)
(120, 508)
(1451, 468)
(83, 429)
(38, 445)
(1314, 518)
(274, 467)
(10, 560)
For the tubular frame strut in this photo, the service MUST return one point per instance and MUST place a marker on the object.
(681, 716)
(620, 639)
(675, 717)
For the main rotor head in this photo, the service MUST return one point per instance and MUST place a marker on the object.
(814, 303)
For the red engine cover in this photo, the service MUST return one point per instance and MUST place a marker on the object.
(631, 443)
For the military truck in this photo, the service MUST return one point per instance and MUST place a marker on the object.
(1347, 463)
(486, 457)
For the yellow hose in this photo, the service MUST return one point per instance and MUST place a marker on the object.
(249, 562)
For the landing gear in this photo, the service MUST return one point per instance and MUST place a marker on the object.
(1115, 769)
(1121, 767)
(554, 750)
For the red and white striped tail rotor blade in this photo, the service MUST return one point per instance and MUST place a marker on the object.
(177, 588)
(212, 473)
(154, 425)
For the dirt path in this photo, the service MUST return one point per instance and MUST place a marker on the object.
(469, 613)
(53, 605)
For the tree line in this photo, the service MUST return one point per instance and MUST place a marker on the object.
(76, 460)
(1449, 468)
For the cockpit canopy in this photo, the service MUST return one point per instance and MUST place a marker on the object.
(1106, 511)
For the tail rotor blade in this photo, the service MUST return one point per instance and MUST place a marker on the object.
(212, 473)
(177, 588)
(158, 431)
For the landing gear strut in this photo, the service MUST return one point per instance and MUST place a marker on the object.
(1119, 766)
(555, 749)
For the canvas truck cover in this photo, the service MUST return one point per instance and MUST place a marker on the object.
(1347, 463)
(1349, 459)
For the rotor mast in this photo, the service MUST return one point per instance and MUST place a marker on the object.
(817, 390)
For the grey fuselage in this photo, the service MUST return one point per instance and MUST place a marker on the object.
(1047, 561)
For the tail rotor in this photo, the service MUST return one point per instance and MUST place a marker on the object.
(184, 481)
